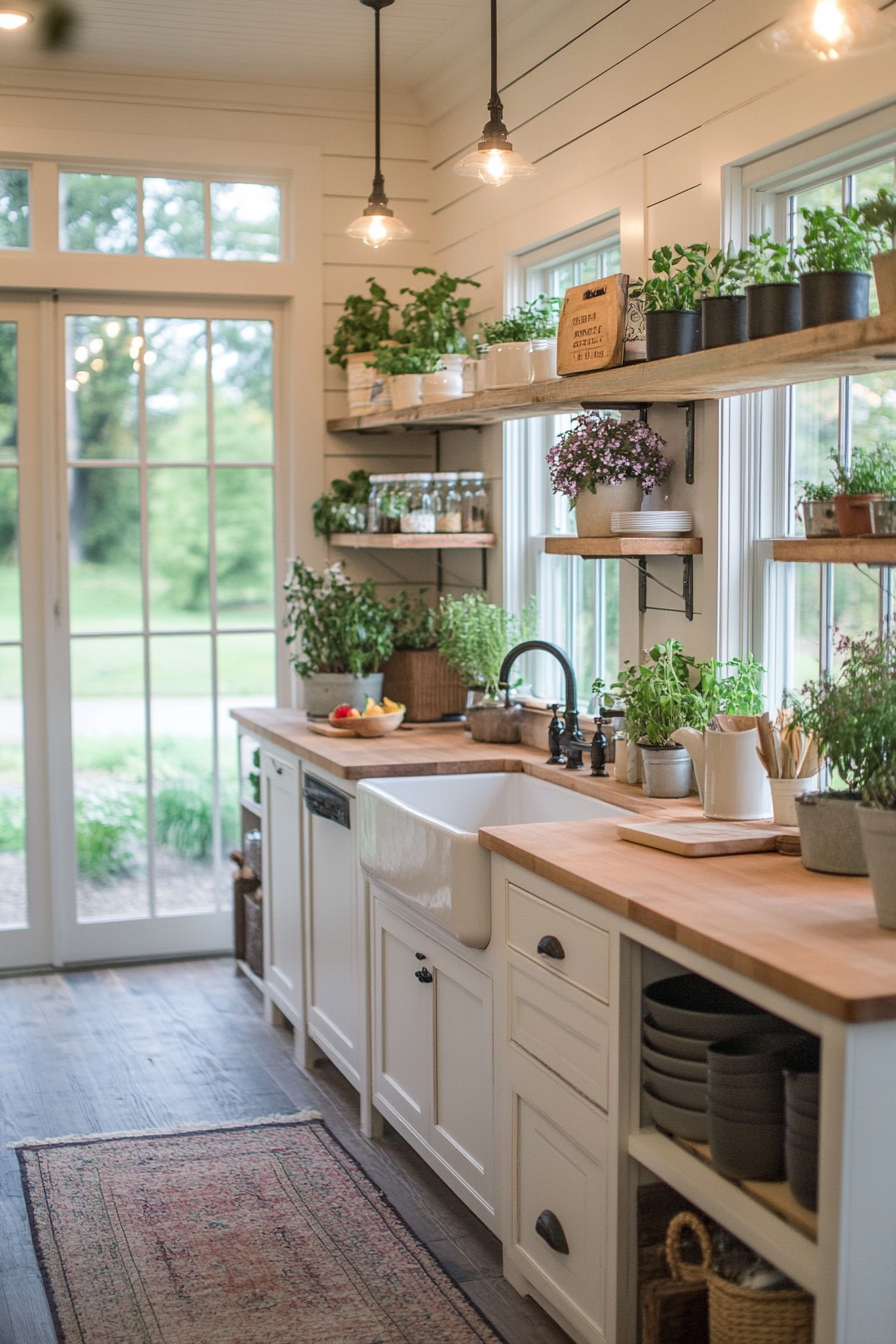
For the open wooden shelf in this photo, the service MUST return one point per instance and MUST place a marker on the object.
(608, 548)
(414, 541)
(836, 550)
(737, 1206)
(866, 346)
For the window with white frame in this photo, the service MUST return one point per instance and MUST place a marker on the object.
(578, 600)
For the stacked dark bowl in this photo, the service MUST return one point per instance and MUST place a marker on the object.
(745, 1092)
(685, 1014)
(801, 1095)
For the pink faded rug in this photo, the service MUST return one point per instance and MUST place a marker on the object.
(260, 1233)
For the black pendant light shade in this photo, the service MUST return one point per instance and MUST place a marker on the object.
(495, 161)
(377, 225)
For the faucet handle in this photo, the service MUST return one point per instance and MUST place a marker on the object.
(555, 733)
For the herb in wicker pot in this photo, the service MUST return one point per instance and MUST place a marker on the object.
(604, 466)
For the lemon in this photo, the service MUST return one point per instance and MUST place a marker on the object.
(391, 706)
(371, 708)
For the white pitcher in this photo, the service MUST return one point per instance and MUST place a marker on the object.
(731, 778)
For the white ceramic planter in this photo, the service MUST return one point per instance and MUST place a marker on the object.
(367, 389)
(884, 264)
(325, 690)
(544, 360)
(405, 390)
(446, 385)
(879, 838)
(593, 507)
(784, 795)
(508, 364)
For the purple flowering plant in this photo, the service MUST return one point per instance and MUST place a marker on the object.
(595, 451)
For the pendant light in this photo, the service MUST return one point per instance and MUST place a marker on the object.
(830, 29)
(378, 224)
(495, 161)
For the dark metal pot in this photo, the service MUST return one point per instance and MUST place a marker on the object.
(772, 309)
(672, 333)
(723, 321)
(833, 296)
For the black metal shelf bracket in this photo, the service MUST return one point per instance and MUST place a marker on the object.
(642, 407)
(687, 586)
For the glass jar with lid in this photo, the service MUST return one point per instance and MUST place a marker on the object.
(393, 502)
(373, 514)
(446, 502)
(419, 515)
(474, 501)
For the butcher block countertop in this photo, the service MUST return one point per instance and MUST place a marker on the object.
(812, 936)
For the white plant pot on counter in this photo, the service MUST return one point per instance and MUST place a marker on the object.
(368, 390)
(446, 385)
(784, 795)
(593, 507)
(405, 390)
(879, 841)
(544, 360)
(508, 364)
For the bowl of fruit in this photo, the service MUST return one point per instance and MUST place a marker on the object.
(373, 721)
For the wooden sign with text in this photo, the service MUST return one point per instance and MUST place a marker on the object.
(591, 332)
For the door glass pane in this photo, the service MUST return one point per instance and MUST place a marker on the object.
(103, 387)
(98, 212)
(14, 208)
(247, 675)
(13, 876)
(176, 417)
(10, 585)
(243, 393)
(244, 539)
(109, 747)
(183, 773)
(173, 217)
(9, 417)
(177, 508)
(245, 221)
(105, 583)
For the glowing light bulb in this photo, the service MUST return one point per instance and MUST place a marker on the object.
(494, 170)
(113, 329)
(828, 30)
(828, 21)
(11, 19)
(495, 164)
(377, 229)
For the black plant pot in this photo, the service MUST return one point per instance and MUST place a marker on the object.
(724, 321)
(772, 309)
(833, 296)
(672, 333)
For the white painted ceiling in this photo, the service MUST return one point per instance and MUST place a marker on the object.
(317, 43)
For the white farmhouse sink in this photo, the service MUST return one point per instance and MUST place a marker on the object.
(419, 838)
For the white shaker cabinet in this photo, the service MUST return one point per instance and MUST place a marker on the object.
(282, 885)
(432, 1053)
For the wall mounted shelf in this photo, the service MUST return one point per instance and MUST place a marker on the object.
(836, 550)
(616, 548)
(866, 346)
(413, 541)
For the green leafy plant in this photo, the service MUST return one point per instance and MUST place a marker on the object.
(811, 492)
(475, 637)
(766, 262)
(672, 690)
(720, 276)
(880, 791)
(106, 827)
(738, 691)
(852, 712)
(344, 509)
(877, 216)
(833, 240)
(363, 325)
(183, 822)
(338, 625)
(416, 622)
(871, 471)
(505, 331)
(433, 318)
(398, 359)
(541, 316)
(675, 283)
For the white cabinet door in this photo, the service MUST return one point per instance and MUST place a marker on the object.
(333, 972)
(402, 1023)
(281, 884)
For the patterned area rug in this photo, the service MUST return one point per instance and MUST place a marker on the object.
(260, 1233)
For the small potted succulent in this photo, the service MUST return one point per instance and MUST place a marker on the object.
(877, 819)
(869, 479)
(772, 287)
(406, 369)
(835, 266)
(417, 674)
(506, 348)
(475, 636)
(344, 508)
(816, 505)
(723, 307)
(604, 466)
(342, 634)
(672, 322)
(878, 216)
(851, 714)
(362, 328)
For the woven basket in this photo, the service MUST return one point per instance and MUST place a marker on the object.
(740, 1315)
(421, 680)
(252, 915)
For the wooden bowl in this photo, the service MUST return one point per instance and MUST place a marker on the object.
(375, 725)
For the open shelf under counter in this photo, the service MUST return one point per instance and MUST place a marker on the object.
(865, 346)
(757, 1212)
(414, 541)
(608, 548)
(880, 550)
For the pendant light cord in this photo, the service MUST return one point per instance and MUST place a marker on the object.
(378, 184)
(495, 106)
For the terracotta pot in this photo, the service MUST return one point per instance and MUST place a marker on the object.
(884, 264)
(593, 507)
(854, 514)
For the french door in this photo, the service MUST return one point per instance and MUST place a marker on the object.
(158, 519)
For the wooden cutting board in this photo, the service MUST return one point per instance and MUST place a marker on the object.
(703, 839)
(591, 331)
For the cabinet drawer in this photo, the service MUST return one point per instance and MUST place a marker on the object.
(561, 1029)
(581, 952)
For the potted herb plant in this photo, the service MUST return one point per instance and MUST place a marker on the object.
(672, 322)
(877, 819)
(417, 674)
(405, 368)
(723, 307)
(606, 465)
(344, 509)
(852, 716)
(878, 217)
(542, 315)
(342, 635)
(507, 351)
(870, 477)
(771, 287)
(835, 266)
(475, 637)
(363, 326)
(661, 696)
(433, 318)
(816, 503)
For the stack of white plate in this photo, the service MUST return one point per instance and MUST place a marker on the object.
(656, 523)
